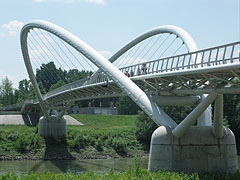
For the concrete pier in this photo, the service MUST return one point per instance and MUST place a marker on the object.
(53, 128)
(198, 150)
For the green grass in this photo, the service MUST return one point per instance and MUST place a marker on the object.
(106, 121)
(101, 134)
(133, 173)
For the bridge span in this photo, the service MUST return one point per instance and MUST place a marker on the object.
(147, 70)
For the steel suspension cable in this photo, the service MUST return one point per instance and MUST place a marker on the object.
(168, 47)
(181, 45)
(47, 48)
(48, 73)
(46, 52)
(144, 48)
(126, 54)
(160, 45)
(87, 61)
(152, 45)
(63, 51)
(55, 52)
(137, 48)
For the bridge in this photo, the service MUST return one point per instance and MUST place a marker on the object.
(162, 66)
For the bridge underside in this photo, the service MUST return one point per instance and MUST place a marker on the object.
(185, 83)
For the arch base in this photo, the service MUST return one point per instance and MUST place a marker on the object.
(196, 151)
(52, 129)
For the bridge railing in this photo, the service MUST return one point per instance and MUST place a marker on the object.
(225, 54)
(101, 77)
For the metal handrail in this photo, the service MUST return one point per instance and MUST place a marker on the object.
(205, 57)
(191, 60)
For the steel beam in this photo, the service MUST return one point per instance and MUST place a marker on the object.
(192, 117)
(218, 117)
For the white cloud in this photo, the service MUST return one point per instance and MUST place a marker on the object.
(106, 54)
(12, 28)
(99, 2)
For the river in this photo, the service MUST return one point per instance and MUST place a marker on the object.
(70, 166)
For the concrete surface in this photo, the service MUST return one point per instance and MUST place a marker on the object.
(24, 119)
(52, 129)
(196, 151)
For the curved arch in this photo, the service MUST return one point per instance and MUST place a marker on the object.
(179, 32)
(133, 91)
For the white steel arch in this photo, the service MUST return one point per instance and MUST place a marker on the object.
(158, 116)
(179, 32)
(206, 116)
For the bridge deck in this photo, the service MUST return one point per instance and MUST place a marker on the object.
(213, 69)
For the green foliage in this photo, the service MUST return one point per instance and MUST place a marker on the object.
(145, 127)
(134, 173)
(6, 92)
(177, 113)
(231, 111)
(16, 139)
(57, 85)
(119, 145)
(125, 105)
(25, 143)
(118, 140)
(52, 77)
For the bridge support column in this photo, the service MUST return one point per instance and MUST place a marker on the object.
(54, 128)
(205, 118)
(198, 150)
(218, 117)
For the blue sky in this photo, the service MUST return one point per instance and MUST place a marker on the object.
(106, 25)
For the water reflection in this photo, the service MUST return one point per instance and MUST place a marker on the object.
(65, 166)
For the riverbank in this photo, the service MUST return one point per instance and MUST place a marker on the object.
(134, 172)
(100, 137)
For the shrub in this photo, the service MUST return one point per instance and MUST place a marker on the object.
(79, 142)
(119, 145)
(145, 127)
(22, 144)
(99, 145)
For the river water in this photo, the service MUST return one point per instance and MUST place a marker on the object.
(71, 166)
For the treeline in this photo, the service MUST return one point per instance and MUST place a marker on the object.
(48, 76)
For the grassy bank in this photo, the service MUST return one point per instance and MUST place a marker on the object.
(132, 173)
(99, 137)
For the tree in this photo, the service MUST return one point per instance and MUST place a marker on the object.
(231, 112)
(23, 90)
(145, 127)
(126, 105)
(48, 75)
(6, 92)
(57, 85)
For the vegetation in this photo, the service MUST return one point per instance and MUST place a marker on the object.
(19, 139)
(125, 105)
(134, 172)
(100, 135)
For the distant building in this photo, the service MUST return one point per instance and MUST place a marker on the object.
(94, 110)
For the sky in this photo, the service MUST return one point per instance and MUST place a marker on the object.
(107, 25)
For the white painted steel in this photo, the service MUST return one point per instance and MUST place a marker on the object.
(205, 119)
(218, 117)
(175, 100)
(208, 60)
(116, 75)
(192, 117)
(179, 32)
(23, 41)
